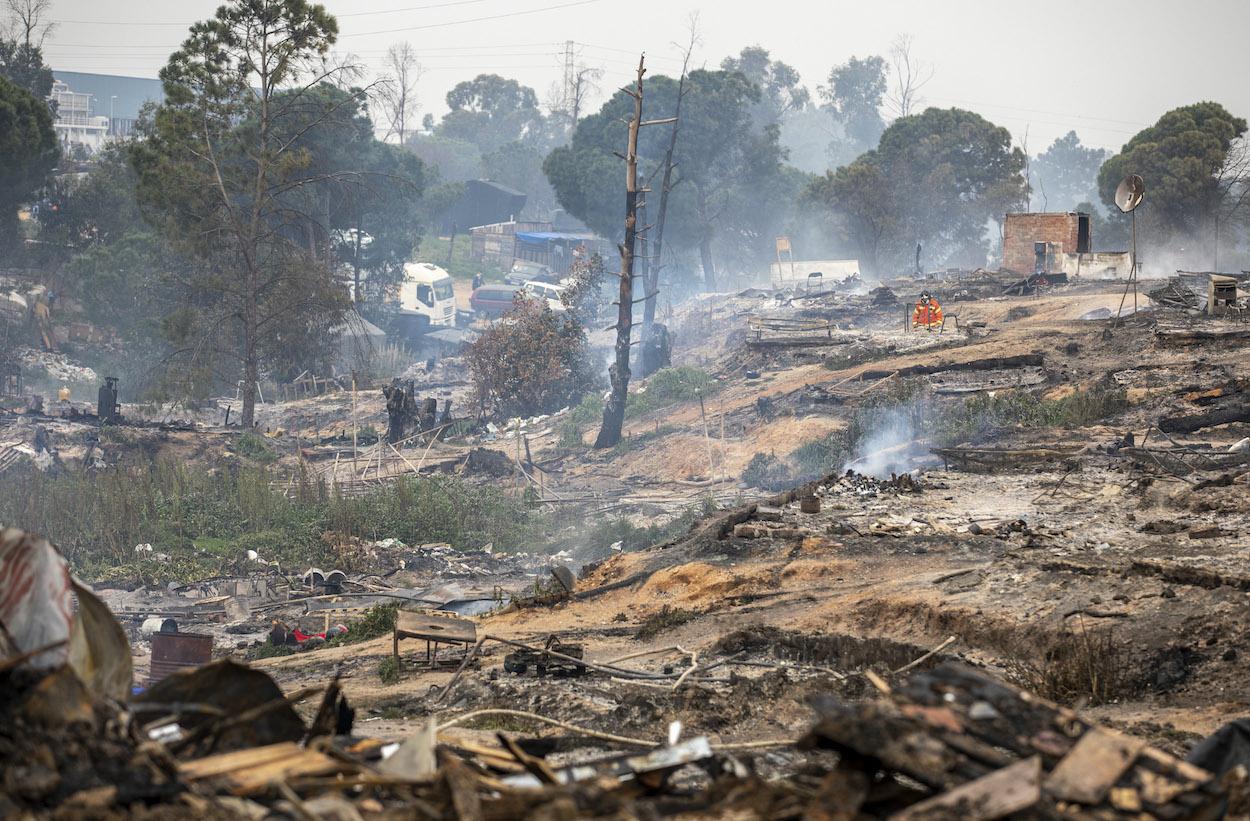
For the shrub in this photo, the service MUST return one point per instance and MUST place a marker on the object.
(669, 386)
(1087, 666)
(375, 622)
(768, 472)
(532, 361)
(388, 670)
(666, 618)
(205, 521)
(579, 418)
(254, 447)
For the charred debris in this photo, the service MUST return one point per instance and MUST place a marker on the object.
(930, 738)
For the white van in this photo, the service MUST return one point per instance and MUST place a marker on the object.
(545, 290)
(426, 297)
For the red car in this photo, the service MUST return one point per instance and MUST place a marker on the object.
(492, 301)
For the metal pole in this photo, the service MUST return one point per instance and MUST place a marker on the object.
(1134, 261)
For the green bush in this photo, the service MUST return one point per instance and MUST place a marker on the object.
(375, 622)
(254, 447)
(388, 670)
(580, 418)
(669, 386)
(205, 521)
(269, 651)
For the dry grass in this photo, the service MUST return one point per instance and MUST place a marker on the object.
(1083, 667)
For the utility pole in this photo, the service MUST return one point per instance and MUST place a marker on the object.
(569, 81)
(618, 373)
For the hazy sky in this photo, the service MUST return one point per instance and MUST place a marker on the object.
(1103, 67)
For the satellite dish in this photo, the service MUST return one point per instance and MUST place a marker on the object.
(1129, 193)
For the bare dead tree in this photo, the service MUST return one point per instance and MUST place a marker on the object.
(344, 70)
(1232, 193)
(911, 74)
(397, 93)
(29, 22)
(666, 184)
(618, 373)
(567, 98)
(585, 83)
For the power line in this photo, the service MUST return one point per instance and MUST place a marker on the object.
(1048, 113)
(423, 49)
(474, 19)
(184, 24)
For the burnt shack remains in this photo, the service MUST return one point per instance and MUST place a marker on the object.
(1036, 243)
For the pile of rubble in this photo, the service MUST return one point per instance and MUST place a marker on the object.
(223, 741)
(852, 483)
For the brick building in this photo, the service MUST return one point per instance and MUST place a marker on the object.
(1037, 242)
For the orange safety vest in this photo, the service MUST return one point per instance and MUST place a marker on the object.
(927, 315)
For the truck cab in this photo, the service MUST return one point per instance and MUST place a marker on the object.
(426, 298)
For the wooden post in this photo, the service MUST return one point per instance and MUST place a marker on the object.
(355, 427)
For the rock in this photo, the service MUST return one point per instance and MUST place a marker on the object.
(1230, 654)
(982, 711)
(809, 504)
(1211, 532)
(1168, 593)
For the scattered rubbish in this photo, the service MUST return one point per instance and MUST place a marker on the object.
(543, 663)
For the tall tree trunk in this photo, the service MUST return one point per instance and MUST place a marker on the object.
(644, 260)
(357, 298)
(666, 185)
(705, 257)
(251, 368)
(618, 373)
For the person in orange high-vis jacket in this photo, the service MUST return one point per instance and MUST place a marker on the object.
(928, 313)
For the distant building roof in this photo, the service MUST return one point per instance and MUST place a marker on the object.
(498, 186)
(543, 237)
(484, 202)
(131, 92)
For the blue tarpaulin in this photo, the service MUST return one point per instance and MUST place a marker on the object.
(544, 237)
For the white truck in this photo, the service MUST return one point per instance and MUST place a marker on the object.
(426, 298)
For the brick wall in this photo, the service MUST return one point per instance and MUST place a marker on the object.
(1022, 230)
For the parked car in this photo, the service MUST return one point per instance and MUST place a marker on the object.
(545, 290)
(523, 272)
(492, 301)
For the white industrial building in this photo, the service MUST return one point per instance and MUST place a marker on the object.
(75, 123)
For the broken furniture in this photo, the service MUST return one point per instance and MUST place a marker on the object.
(435, 628)
(1222, 296)
(789, 332)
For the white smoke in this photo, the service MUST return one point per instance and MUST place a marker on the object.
(890, 447)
